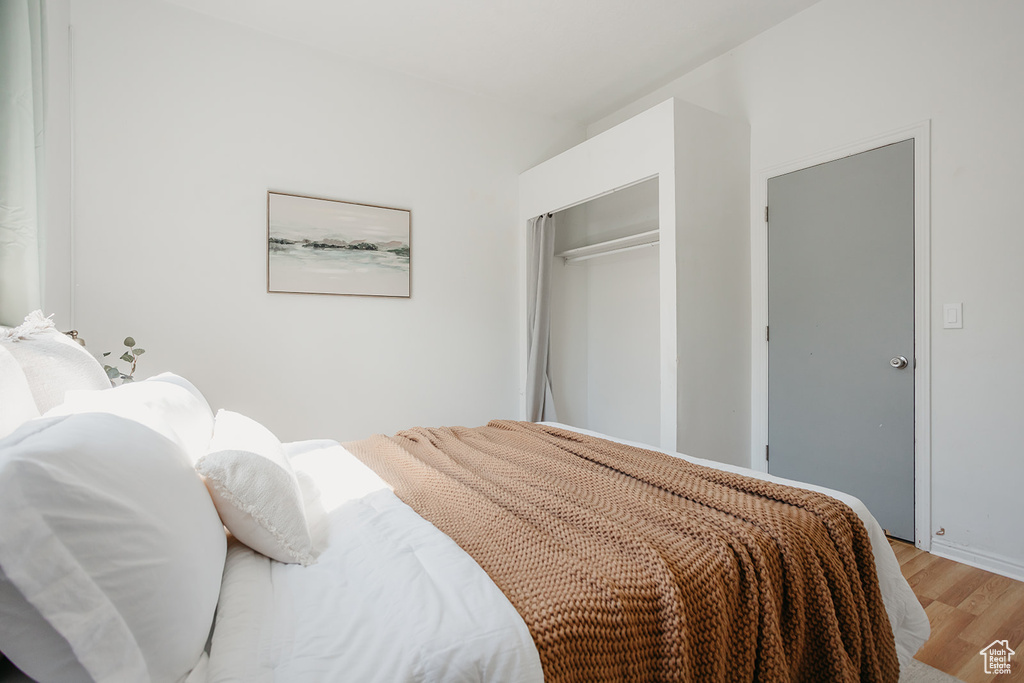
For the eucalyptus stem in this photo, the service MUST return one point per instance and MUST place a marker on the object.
(131, 356)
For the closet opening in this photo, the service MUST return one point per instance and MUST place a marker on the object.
(605, 316)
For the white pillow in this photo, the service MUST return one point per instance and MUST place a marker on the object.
(16, 402)
(111, 537)
(255, 489)
(39, 646)
(52, 362)
(166, 403)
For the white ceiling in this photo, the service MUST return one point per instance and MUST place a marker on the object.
(573, 59)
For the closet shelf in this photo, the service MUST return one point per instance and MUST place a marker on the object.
(648, 238)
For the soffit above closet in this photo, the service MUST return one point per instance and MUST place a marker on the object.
(571, 59)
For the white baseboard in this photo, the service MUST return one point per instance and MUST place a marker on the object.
(991, 562)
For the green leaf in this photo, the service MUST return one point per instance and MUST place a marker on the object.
(129, 342)
(127, 357)
(138, 352)
(112, 373)
(106, 354)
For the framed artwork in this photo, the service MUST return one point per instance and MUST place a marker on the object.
(326, 246)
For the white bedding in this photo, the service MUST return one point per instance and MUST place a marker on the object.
(394, 599)
(390, 598)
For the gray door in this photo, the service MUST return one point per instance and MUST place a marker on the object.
(840, 316)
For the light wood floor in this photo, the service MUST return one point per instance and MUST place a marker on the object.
(968, 608)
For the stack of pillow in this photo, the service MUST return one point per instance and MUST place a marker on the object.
(114, 504)
(38, 365)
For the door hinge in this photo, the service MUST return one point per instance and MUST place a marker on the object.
(766, 452)
(765, 214)
(767, 333)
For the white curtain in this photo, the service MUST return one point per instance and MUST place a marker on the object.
(540, 249)
(22, 110)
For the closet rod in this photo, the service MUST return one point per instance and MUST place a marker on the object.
(569, 259)
(649, 238)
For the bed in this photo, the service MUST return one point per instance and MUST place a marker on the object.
(130, 574)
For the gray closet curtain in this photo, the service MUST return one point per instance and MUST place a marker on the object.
(540, 250)
(21, 141)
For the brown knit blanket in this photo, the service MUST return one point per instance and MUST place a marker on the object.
(630, 565)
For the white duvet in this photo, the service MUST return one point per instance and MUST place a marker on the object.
(390, 598)
(394, 599)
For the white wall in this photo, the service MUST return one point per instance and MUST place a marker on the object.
(844, 70)
(624, 334)
(712, 285)
(182, 123)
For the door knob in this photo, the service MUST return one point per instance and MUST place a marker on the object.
(899, 362)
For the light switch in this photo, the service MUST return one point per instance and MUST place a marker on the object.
(953, 316)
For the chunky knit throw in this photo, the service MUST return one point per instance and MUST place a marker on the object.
(630, 565)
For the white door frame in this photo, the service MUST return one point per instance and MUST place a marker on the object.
(921, 134)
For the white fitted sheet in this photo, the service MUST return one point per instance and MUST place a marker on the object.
(394, 599)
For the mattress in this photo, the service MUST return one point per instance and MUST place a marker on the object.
(392, 598)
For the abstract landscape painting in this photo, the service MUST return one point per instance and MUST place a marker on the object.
(324, 246)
